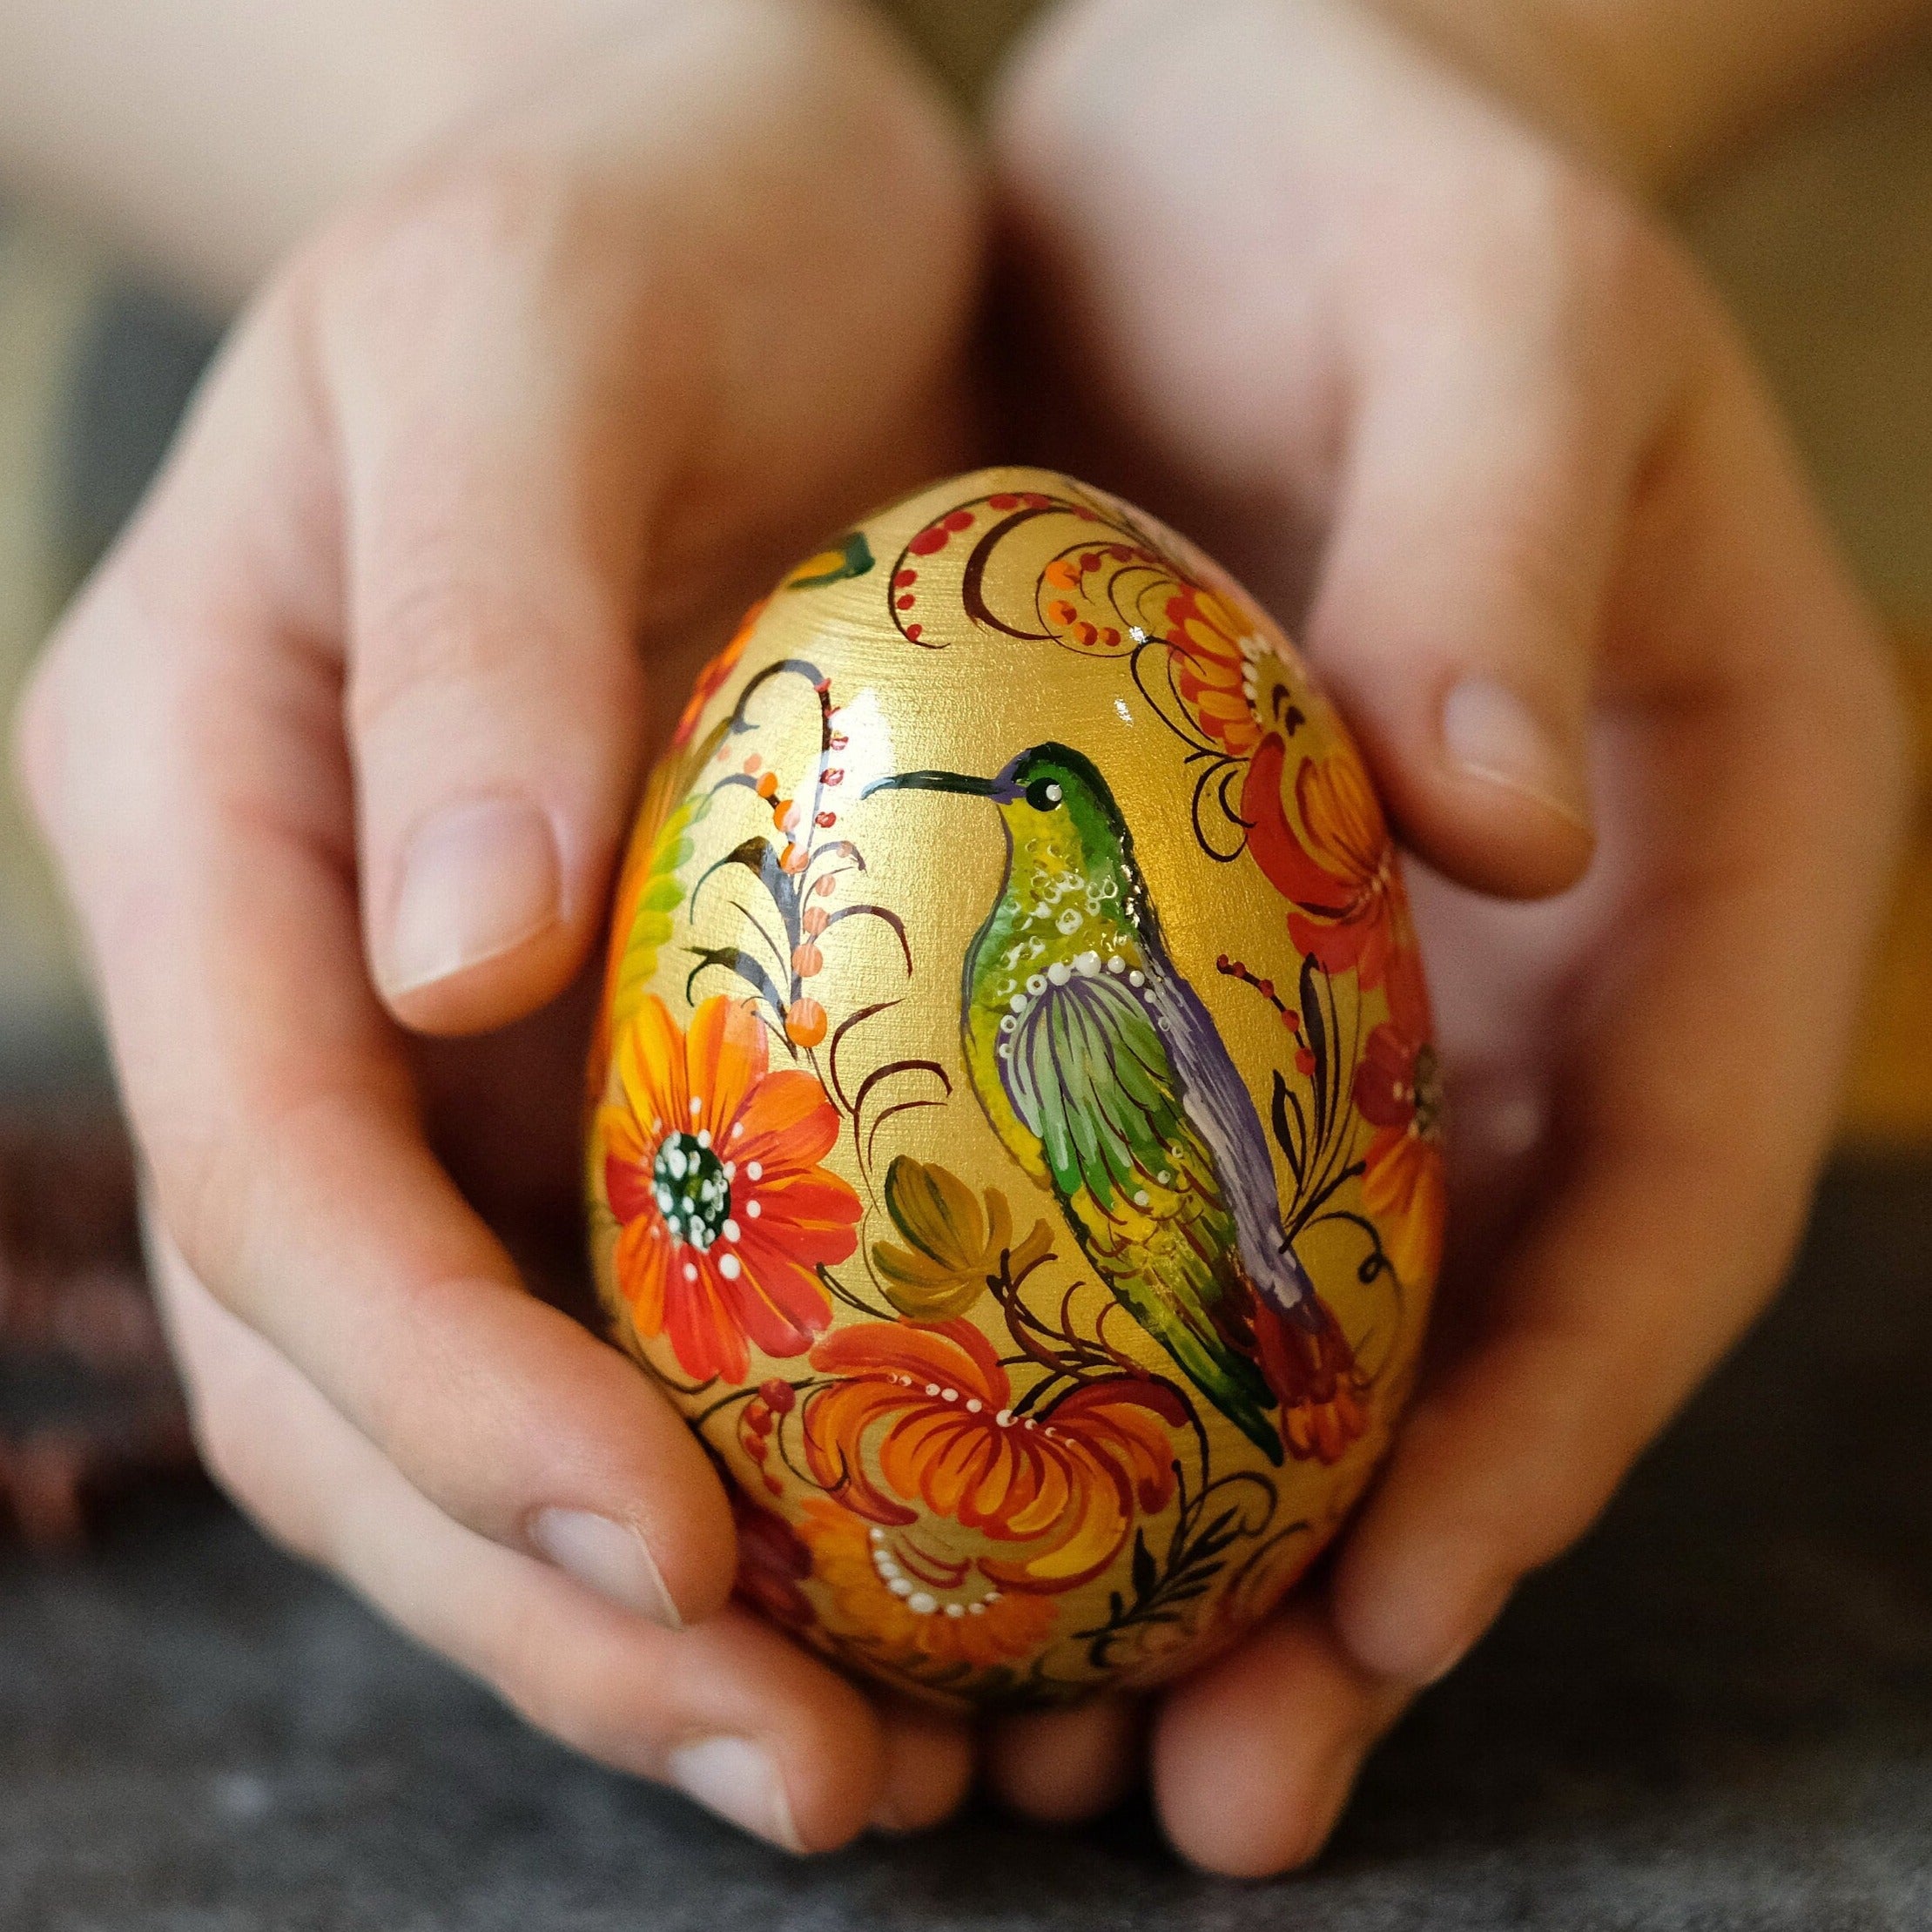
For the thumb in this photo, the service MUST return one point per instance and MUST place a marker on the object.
(499, 460)
(1458, 614)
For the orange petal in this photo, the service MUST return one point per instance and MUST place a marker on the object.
(651, 1068)
(725, 1057)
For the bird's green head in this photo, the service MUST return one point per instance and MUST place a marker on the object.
(1056, 806)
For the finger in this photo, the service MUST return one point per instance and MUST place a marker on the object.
(1065, 1767)
(581, 401)
(201, 832)
(1489, 468)
(499, 465)
(1253, 1758)
(928, 1766)
(732, 1714)
(1689, 1125)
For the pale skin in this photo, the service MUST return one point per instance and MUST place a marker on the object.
(337, 749)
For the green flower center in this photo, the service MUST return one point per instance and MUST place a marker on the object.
(693, 1191)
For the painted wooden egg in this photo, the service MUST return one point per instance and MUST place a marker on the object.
(1014, 1136)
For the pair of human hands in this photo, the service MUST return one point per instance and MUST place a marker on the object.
(337, 750)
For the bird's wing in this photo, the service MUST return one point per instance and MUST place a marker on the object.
(1306, 1359)
(1219, 1104)
(1089, 1075)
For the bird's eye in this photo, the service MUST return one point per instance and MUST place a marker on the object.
(1043, 794)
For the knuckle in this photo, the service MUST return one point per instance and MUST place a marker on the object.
(56, 706)
(1610, 249)
(406, 261)
(38, 732)
(1545, 586)
(569, 1697)
(428, 638)
(227, 1434)
(227, 1174)
(1568, 260)
(418, 633)
(1864, 690)
(239, 1434)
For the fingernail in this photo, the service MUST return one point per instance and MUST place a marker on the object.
(610, 1558)
(478, 878)
(1491, 734)
(737, 1779)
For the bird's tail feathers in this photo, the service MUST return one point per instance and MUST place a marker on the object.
(1226, 1377)
(1311, 1367)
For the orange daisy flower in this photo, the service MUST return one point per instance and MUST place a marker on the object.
(711, 1166)
(919, 1606)
(929, 1407)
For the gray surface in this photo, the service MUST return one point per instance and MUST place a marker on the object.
(1718, 1714)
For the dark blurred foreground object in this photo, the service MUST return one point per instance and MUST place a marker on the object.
(89, 1405)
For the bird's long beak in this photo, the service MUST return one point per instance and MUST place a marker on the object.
(933, 781)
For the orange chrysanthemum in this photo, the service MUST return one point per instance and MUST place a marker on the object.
(711, 1166)
(1320, 839)
(929, 1407)
(1216, 649)
(1339, 871)
(918, 1607)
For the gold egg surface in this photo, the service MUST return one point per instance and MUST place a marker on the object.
(1013, 1127)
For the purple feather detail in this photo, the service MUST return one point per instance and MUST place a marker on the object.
(1223, 1114)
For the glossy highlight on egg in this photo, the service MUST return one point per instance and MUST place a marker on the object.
(1014, 1129)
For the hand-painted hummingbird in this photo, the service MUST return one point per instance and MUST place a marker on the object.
(1100, 1068)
